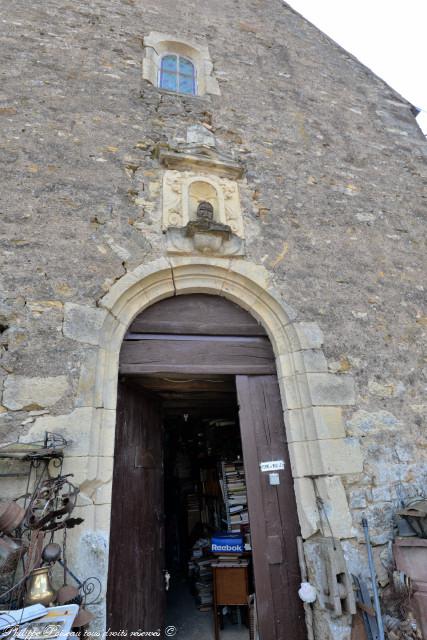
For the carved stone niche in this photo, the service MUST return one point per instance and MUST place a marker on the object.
(183, 192)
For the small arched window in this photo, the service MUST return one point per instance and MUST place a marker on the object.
(177, 74)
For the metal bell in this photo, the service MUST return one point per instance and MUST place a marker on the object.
(40, 590)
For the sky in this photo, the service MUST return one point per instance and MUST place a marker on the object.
(388, 36)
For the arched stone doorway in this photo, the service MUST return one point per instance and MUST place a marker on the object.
(311, 397)
(187, 354)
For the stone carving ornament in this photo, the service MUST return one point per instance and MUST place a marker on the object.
(184, 190)
(204, 235)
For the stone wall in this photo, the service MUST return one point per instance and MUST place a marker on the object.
(332, 197)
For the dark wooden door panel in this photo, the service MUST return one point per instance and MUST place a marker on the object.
(197, 354)
(197, 313)
(272, 510)
(135, 598)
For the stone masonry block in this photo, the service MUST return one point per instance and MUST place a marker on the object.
(312, 361)
(32, 393)
(296, 392)
(329, 422)
(106, 379)
(85, 396)
(89, 472)
(308, 335)
(143, 286)
(207, 277)
(112, 333)
(103, 432)
(308, 513)
(331, 389)
(338, 456)
(335, 511)
(83, 323)
(256, 274)
(119, 288)
(75, 427)
(314, 423)
(300, 458)
(300, 362)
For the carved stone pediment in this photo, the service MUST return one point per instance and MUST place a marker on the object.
(199, 178)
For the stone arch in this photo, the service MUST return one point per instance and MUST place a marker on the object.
(311, 396)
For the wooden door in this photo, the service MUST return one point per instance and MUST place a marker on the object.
(136, 595)
(272, 510)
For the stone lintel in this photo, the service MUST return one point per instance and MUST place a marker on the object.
(182, 161)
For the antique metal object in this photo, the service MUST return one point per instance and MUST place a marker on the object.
(52, 552)
(416, 516)
(52, 504)
(89, 588)
(40, 590)
(373, 573)
(366, 612)
(11, 551)
(83, 618)
(50, 447)
(68, 595)
(11, 516)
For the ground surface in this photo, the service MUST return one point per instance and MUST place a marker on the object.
(193, 624)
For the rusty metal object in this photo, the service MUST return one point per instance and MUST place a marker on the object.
(11, 516)
(68, 595)
(416, 516)
(11, 551)
(83, 618)
(52, 504)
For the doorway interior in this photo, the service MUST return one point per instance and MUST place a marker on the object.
(204, 493)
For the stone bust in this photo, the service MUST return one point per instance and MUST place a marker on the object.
(205, 223)
(206, 235)
(205, 211)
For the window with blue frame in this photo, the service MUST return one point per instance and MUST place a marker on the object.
(177, 74)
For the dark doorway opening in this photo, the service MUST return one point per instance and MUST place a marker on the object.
(202, 444)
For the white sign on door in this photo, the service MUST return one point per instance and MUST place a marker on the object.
(272, 465)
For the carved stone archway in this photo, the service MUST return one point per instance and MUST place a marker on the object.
(311, 396)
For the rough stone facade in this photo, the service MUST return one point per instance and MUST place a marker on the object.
(332, 197)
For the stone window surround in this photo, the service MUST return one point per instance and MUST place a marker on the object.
(157, 45)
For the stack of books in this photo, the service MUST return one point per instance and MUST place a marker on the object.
(230, 560)
(204, 584)
(199, 569)
(235, 495)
